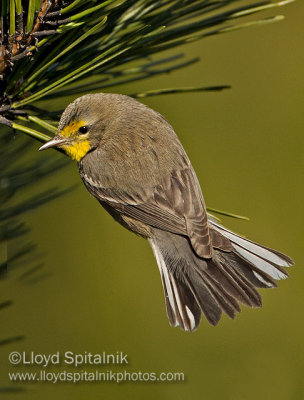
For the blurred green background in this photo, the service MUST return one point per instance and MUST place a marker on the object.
(104, 291)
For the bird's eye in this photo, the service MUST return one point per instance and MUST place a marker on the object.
(83, 130)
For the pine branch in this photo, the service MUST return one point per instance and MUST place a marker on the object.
(51, 47)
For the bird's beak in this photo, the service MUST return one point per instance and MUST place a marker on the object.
(56, 141)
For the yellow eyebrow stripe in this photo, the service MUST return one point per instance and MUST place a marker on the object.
(72, 128)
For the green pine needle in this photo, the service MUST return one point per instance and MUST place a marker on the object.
(100, 40)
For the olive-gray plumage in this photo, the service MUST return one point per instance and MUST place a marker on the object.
(138, 170)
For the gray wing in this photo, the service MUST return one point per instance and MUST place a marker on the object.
(175, 205)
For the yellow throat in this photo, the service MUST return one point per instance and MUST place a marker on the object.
(78, 148)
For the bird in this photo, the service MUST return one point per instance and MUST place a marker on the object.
(131, 160)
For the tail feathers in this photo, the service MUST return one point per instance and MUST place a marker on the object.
(193, 285)
(266, 264)
(186, 296)
(182, 306)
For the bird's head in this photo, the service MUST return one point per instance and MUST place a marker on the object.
(82, 125)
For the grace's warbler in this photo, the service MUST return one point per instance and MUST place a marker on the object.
(132, 162)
